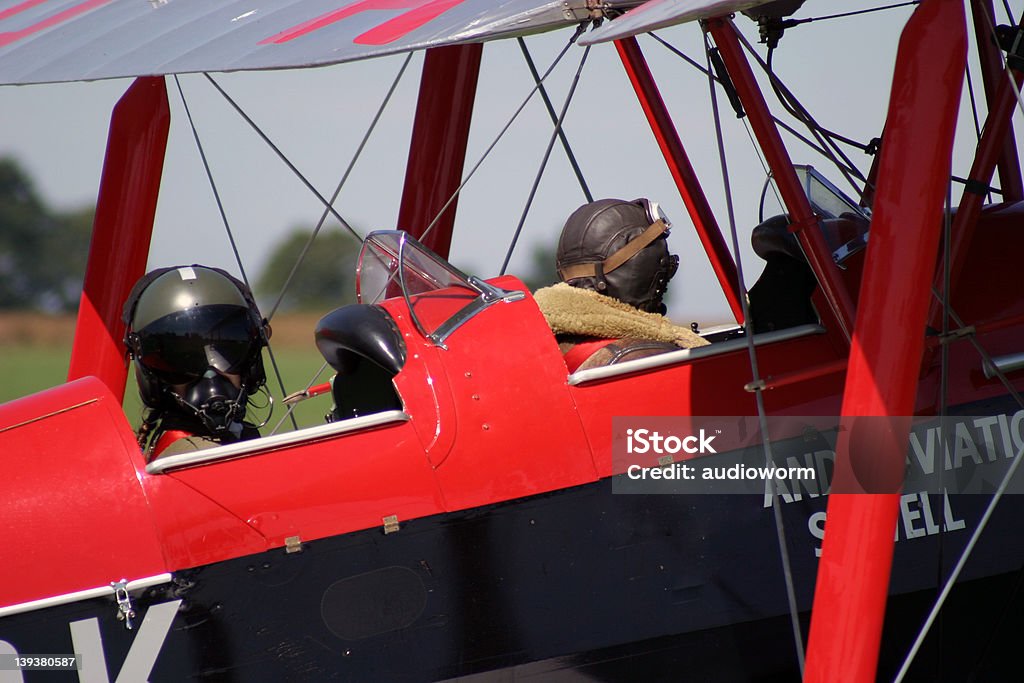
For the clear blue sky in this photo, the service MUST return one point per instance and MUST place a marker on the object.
(841, 69)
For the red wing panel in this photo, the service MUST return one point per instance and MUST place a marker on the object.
(74, 514)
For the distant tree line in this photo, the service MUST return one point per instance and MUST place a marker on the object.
(43, 254)
(324, 280)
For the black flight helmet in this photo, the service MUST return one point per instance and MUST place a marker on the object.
(188, 327)
(619, 249)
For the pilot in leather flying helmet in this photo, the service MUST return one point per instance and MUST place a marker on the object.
(614, 265)
(619, 249)
(195, 337)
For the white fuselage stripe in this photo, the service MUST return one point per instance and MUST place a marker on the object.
(88, 593)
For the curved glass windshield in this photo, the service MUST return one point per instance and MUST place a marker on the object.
(440, 297)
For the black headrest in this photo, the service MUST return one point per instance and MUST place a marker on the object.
(772, 238)
(360, 331)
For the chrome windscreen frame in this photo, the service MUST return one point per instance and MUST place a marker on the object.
(408, 253)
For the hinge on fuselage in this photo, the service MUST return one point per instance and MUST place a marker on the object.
(125, 610)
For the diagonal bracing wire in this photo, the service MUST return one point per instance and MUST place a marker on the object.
(779, 122)
(293, 406)
(227, 227)
(544, 162)
(757, 383)
(281, 155)
(797, 22)
(955, 574)
(337, 190)
(827, 138)
(555, 120)
(1002, 57)
(579, 31)
(950, 314)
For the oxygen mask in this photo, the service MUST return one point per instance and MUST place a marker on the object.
(216, 400)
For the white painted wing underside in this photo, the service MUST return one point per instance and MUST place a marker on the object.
(44, 41)
(656, 14)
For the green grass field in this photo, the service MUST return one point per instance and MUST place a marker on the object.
(25, 369)
(31, 362)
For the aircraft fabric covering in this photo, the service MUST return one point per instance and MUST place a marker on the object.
(658, 14)
(45, 41)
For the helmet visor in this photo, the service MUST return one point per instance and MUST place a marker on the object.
(180, 347)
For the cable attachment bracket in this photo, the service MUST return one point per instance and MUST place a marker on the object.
(125, 609)
(957, 334)
(726, 82)
(1011, 41)
(753, 387)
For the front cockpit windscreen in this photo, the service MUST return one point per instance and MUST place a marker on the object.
(440, 297)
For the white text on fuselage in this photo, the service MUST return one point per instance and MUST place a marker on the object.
(972, 441)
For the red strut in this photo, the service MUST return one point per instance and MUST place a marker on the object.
(682, 172)
(122, 230)
(888, 340)
(438, 148)
(802, 219)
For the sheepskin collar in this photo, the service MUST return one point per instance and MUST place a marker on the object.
(572, 310)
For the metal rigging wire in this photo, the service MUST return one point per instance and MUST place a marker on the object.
(537, 86)
(1009, 12)
(544, 162)
(231, 237)
(757, 382)
(949, 313)
(337, 190)
(796, 22)
(1002, 58)
(827, 138)
(281, 155)
(292, 405)
(323, 217)
(974, 102)
(579, 31)
(554, 120)
(779, 122)
(947, 233)
(955, 574)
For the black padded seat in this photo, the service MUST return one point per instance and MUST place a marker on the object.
(781, 297)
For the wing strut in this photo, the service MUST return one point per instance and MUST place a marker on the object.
(122, 230)
(990, 153)
(888, 341)
(993, 78)
(682, 172)
(802, 219)
(438, 148)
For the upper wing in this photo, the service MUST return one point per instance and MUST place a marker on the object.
(45, 41)
(656, 14)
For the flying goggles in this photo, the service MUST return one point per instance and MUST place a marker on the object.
(659, 225)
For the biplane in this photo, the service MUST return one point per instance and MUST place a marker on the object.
(469, 515)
